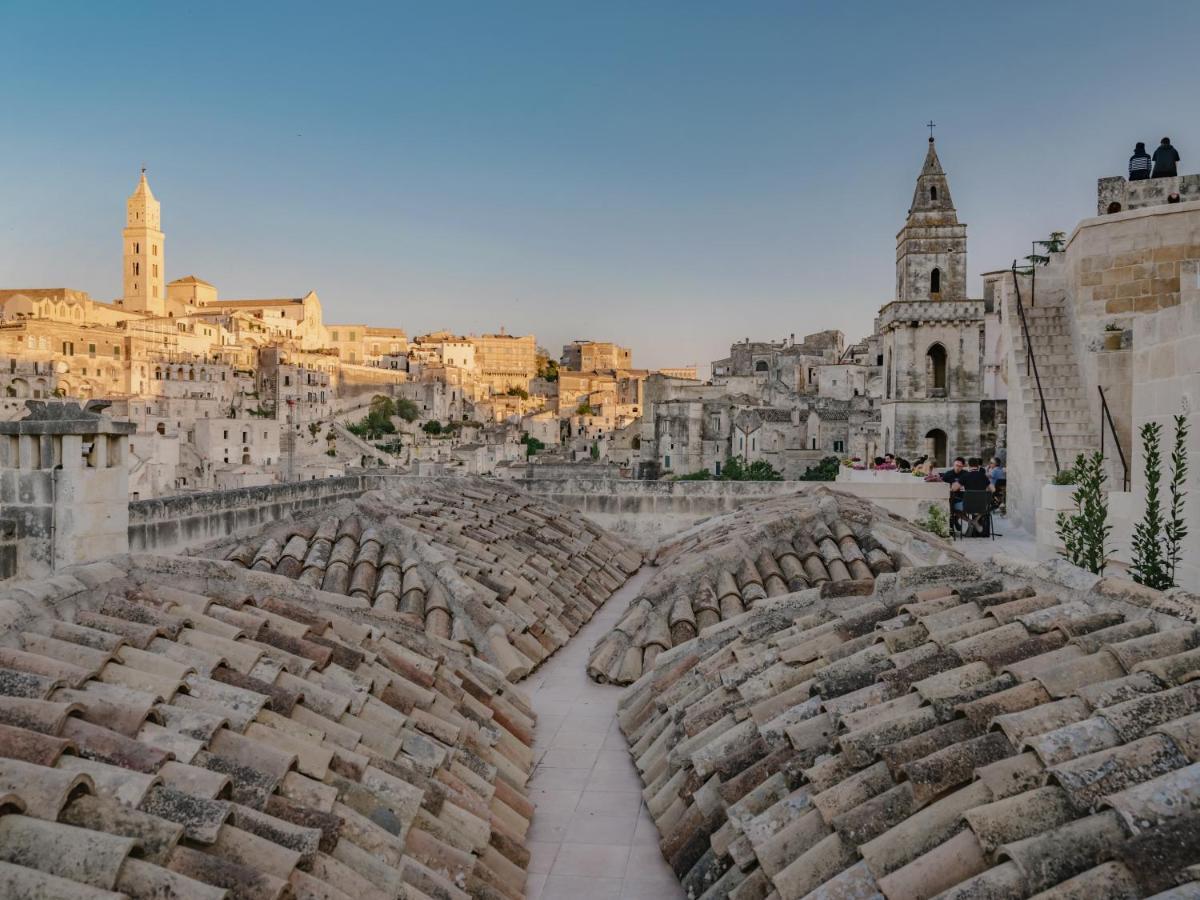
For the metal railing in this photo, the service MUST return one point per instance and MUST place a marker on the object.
(1106, 416)
(1031, 365)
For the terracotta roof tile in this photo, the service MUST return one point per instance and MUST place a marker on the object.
(1000, 760)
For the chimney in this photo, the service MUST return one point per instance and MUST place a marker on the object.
(66, 469)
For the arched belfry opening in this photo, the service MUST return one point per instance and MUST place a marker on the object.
(935, 281)
(933, 192)
(935, 370)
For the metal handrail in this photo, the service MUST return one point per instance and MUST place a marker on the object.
(1106, 415)
(1031, 364)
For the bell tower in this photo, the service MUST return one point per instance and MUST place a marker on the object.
(143, 276)
(931, 248)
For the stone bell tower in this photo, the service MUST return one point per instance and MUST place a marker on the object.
(143, 274)
(931, 248)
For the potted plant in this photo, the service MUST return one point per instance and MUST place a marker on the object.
(1112, 336)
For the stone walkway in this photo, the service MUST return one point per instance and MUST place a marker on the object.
(591, 836)
(1009, 539)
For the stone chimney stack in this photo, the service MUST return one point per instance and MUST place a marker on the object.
(64, 488)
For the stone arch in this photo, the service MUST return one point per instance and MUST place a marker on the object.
(19, 388)
(935, 447)
(933, 192)
(1114, 207)
(760, 366)
(935, 281)
(935, 369)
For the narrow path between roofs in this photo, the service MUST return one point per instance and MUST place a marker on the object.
(591, 836)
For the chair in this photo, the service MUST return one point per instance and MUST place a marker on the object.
(977, 509)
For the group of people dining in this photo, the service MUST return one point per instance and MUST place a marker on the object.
(963, 475)
(971, 475)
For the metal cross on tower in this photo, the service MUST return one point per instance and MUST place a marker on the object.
(930, 125)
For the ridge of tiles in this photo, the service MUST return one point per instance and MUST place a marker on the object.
(161, 743)
(527, 575)
(721, 569)
(962, 741)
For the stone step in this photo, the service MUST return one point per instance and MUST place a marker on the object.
(1054, 373)
(1050, 379)
(1060, 414)
(1041, 341)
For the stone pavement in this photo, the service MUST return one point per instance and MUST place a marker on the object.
(1009, 540)
(591, 837)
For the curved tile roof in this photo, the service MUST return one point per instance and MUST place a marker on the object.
(465, 561)
(948, 735)
(180, 728)
(727, 565)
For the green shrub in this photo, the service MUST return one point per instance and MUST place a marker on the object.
(1064, 476)
(698, 475)
(825, 470)
(433, 426)
(407, 410)
(1085, 532)
(532, 445)
(936, 521)
(1158, 538)
(736, 469)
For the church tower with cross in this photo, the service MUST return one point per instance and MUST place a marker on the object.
(934, 337)
(931, 248)
(143, 274)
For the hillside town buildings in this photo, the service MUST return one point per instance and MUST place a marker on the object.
(318, 688)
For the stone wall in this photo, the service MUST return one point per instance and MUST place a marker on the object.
(1127, 195)
(1166, 383)
(172, 524)
(1130, 262)
(647, 511)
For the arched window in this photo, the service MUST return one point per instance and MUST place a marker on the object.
(935, 370)
(935, 281)
(760, 366)
(1114, 207)
(933, 192)
(935, 447)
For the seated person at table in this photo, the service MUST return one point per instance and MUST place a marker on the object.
(974, 478)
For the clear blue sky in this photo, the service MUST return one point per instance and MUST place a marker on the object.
(672, 176)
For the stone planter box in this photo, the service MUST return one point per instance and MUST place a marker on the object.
(1056, 498)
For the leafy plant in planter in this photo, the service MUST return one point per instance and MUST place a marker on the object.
(1064, 476)
(1158, 538)
(1085, 532)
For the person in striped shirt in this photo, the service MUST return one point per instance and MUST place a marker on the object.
(1139, 163)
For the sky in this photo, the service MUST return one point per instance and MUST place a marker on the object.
(672, 176)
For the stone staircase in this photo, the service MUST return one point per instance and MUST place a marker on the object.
(1067, 405)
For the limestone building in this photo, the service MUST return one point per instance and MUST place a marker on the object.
(934, 345)
(593, 356)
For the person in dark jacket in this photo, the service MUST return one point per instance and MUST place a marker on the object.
(1165, 158)
(1139, 163)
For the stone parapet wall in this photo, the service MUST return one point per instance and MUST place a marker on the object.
(648, 511)
(1130, 262)
(931, 311)
(1147, 192)
(172, 524)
